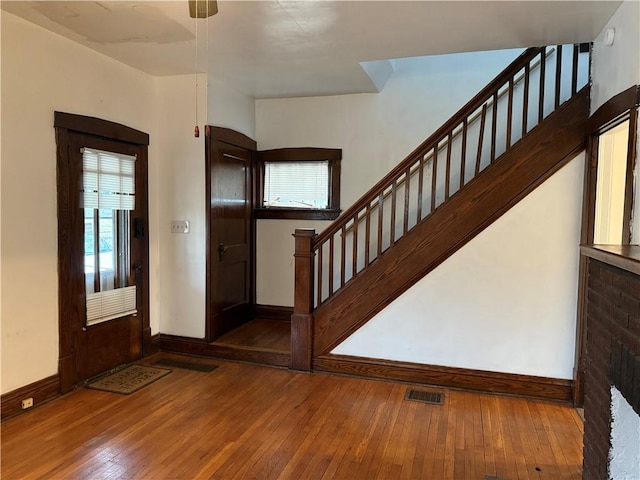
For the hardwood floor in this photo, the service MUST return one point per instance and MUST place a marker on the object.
(252, 422)
(260, 333)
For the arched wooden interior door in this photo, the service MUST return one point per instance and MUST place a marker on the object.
(230, 230)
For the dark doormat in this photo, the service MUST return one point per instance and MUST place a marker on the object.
(198, 367)
(129, 379)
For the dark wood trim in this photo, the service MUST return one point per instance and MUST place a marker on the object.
(281, 213)
(199, 346)
(613, 108)
(152, 344)
(65, 302)
(624, 257)
(450, 377)
(302, 319)
(301, 342)
(332, 155)
(273, 312)
(299, 154)
(232, 137)
(586, 236)
(208, 324)
(141, 244)
(41, 391)
(578, 365)
(100, 128)
(532, 160)
(627, 216)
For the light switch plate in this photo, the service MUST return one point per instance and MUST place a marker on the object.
(179, 226)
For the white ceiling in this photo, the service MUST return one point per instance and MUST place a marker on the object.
(279, 48)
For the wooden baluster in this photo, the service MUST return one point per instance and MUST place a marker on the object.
(463, 157)
(354, 253)
(302, 318)
(380, 219)
(483, 119)
(367, 236)
(320, 272)
(447, 175)
(494, 126)
(509, 113)
(543, 67)
(331, 261)
(525, 100)
(407, 196)
(574, 69)
(434, 177)
(392, 232)
(558, 75)
(343, 251)
(420, 186)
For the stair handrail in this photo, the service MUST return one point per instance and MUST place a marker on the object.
(399, 170)
(456, 132)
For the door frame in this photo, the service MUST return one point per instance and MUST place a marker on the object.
(621, 107)
(238, 139)
(70, 318)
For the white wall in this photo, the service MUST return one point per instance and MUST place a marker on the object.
(375, 132)
(43, 72)
(182, 193)
(616, 68)
(504, 302)
(181, 186)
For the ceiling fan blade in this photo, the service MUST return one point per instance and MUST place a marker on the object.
(202, 8)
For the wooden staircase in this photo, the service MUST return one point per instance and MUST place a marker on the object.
(514, 134)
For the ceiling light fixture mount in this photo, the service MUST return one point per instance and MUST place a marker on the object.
(202, 8)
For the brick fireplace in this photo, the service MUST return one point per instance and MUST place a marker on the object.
(612, 349)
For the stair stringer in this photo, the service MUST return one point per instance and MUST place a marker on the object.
(521, 169)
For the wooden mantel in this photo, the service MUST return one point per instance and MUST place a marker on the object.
(625, 257)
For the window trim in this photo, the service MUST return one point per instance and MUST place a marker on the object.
(332, 155)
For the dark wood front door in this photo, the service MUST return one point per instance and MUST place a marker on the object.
(103, 246)
(230, 227)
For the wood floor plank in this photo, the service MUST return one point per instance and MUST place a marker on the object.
(246, 421)
(488, 438)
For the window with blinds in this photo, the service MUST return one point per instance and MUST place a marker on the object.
(108, 197)
(108, 180)
(296, 184)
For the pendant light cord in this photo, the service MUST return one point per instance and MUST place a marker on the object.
(207, 65)
(196, 67)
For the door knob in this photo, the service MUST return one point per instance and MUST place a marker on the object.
(222, 249)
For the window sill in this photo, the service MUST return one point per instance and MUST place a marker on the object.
(296, 213)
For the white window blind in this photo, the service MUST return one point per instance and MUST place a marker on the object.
(296, 184)
(108, 183)
(110, 304)
(108, 180)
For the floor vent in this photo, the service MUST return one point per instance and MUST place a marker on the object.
(198, 367)
(493, 477)
(432, 398)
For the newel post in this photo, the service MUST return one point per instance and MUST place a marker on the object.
(302, 319)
